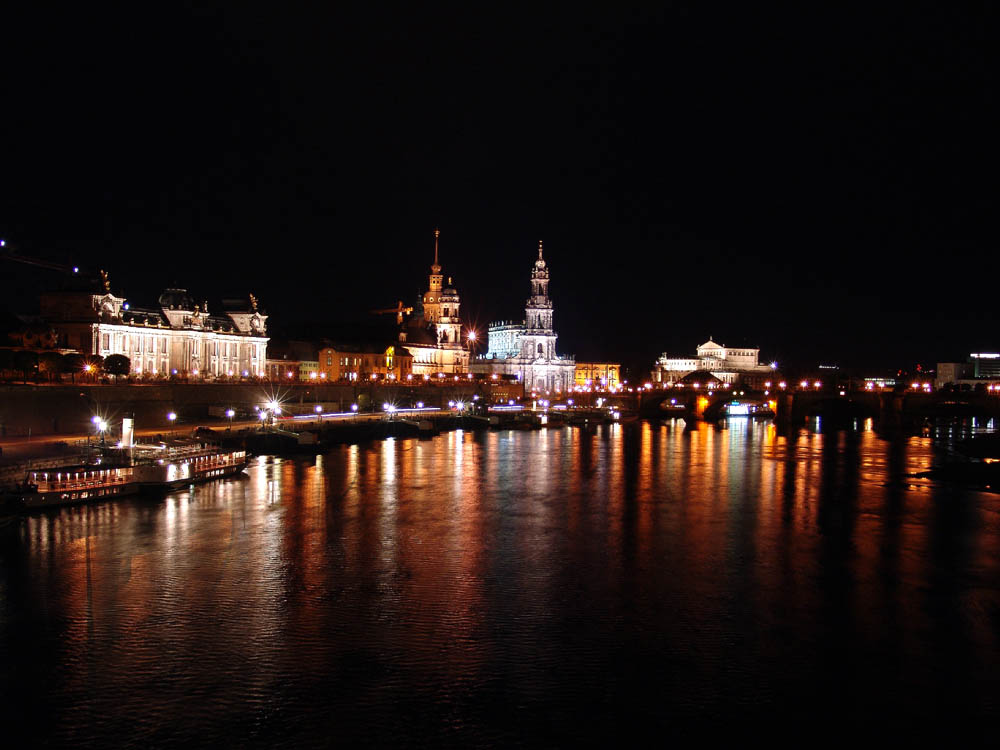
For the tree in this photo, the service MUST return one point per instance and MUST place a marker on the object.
(93, 365)
(73, 364)
(50, 363)
(117, 364)
(26, 363)
(6, 361)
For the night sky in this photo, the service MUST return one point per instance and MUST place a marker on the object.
(809, 181)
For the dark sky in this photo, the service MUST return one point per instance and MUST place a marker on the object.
(810, 181)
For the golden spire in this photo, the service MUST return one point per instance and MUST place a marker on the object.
(539, 249)
(436, 268)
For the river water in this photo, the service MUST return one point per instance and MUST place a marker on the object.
(515, 588)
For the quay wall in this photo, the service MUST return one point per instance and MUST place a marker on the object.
(68, 409)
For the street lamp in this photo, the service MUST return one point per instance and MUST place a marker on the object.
(172, 417)
(230, 413)
(319, 411)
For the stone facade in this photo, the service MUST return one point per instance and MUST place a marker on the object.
(179, 337)
(528, 350)
(728, 364)
(433, 334)
(602, 376)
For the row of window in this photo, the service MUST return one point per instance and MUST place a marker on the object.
(149, 345)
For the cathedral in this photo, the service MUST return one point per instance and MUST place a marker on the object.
(433, 332)
(528, 349)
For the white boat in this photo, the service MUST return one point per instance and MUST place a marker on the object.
(173, 468)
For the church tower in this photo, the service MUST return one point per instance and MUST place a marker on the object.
(539, 338)
(432, 300)
(441, 304)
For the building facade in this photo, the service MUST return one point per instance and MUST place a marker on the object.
(728, 364)
(178, 337)
(433, 333)
(979, 369)
(603, 376)
(360, 363)
(528, 350)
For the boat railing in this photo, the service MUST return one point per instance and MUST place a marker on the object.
(110, 480)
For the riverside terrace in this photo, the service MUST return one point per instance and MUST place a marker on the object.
(68, 409)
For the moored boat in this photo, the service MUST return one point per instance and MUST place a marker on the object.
(74, 484)
(173, 468)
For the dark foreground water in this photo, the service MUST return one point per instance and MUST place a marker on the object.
(516, 587)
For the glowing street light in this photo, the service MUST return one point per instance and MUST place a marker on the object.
(230, 413)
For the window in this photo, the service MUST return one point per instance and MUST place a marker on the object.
(106, 341)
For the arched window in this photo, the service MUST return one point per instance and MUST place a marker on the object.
(539, 349)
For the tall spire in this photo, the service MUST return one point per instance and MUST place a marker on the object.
(436, 268)
(540, 250)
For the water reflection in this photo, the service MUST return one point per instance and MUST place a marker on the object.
(506, 586)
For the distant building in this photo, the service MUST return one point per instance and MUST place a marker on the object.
(603, 375)
(433, 332)
(177, 337)
(728, 364)
(355, 363)
(979, 368)
(292, 361)
(528, 349)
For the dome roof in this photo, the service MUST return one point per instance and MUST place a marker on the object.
(176, 299)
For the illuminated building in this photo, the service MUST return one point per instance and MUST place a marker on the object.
(178, 337)
(728, 364)
(290, 360)
(979, 368)
(528, 349)
(359, 363)
(433, 332)
(600, 375)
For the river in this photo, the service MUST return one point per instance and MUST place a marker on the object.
(515, 587)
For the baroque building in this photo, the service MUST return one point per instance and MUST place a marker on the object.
(728, 364)
(433, 332)
(602, 376)
(527, 350)
(178, 337)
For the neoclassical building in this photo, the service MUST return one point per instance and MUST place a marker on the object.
(528, 349)
(178, 337)
(433, 332)
(728, 364)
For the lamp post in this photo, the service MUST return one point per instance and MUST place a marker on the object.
(230, 413)
(171, 418)
(319, 412)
